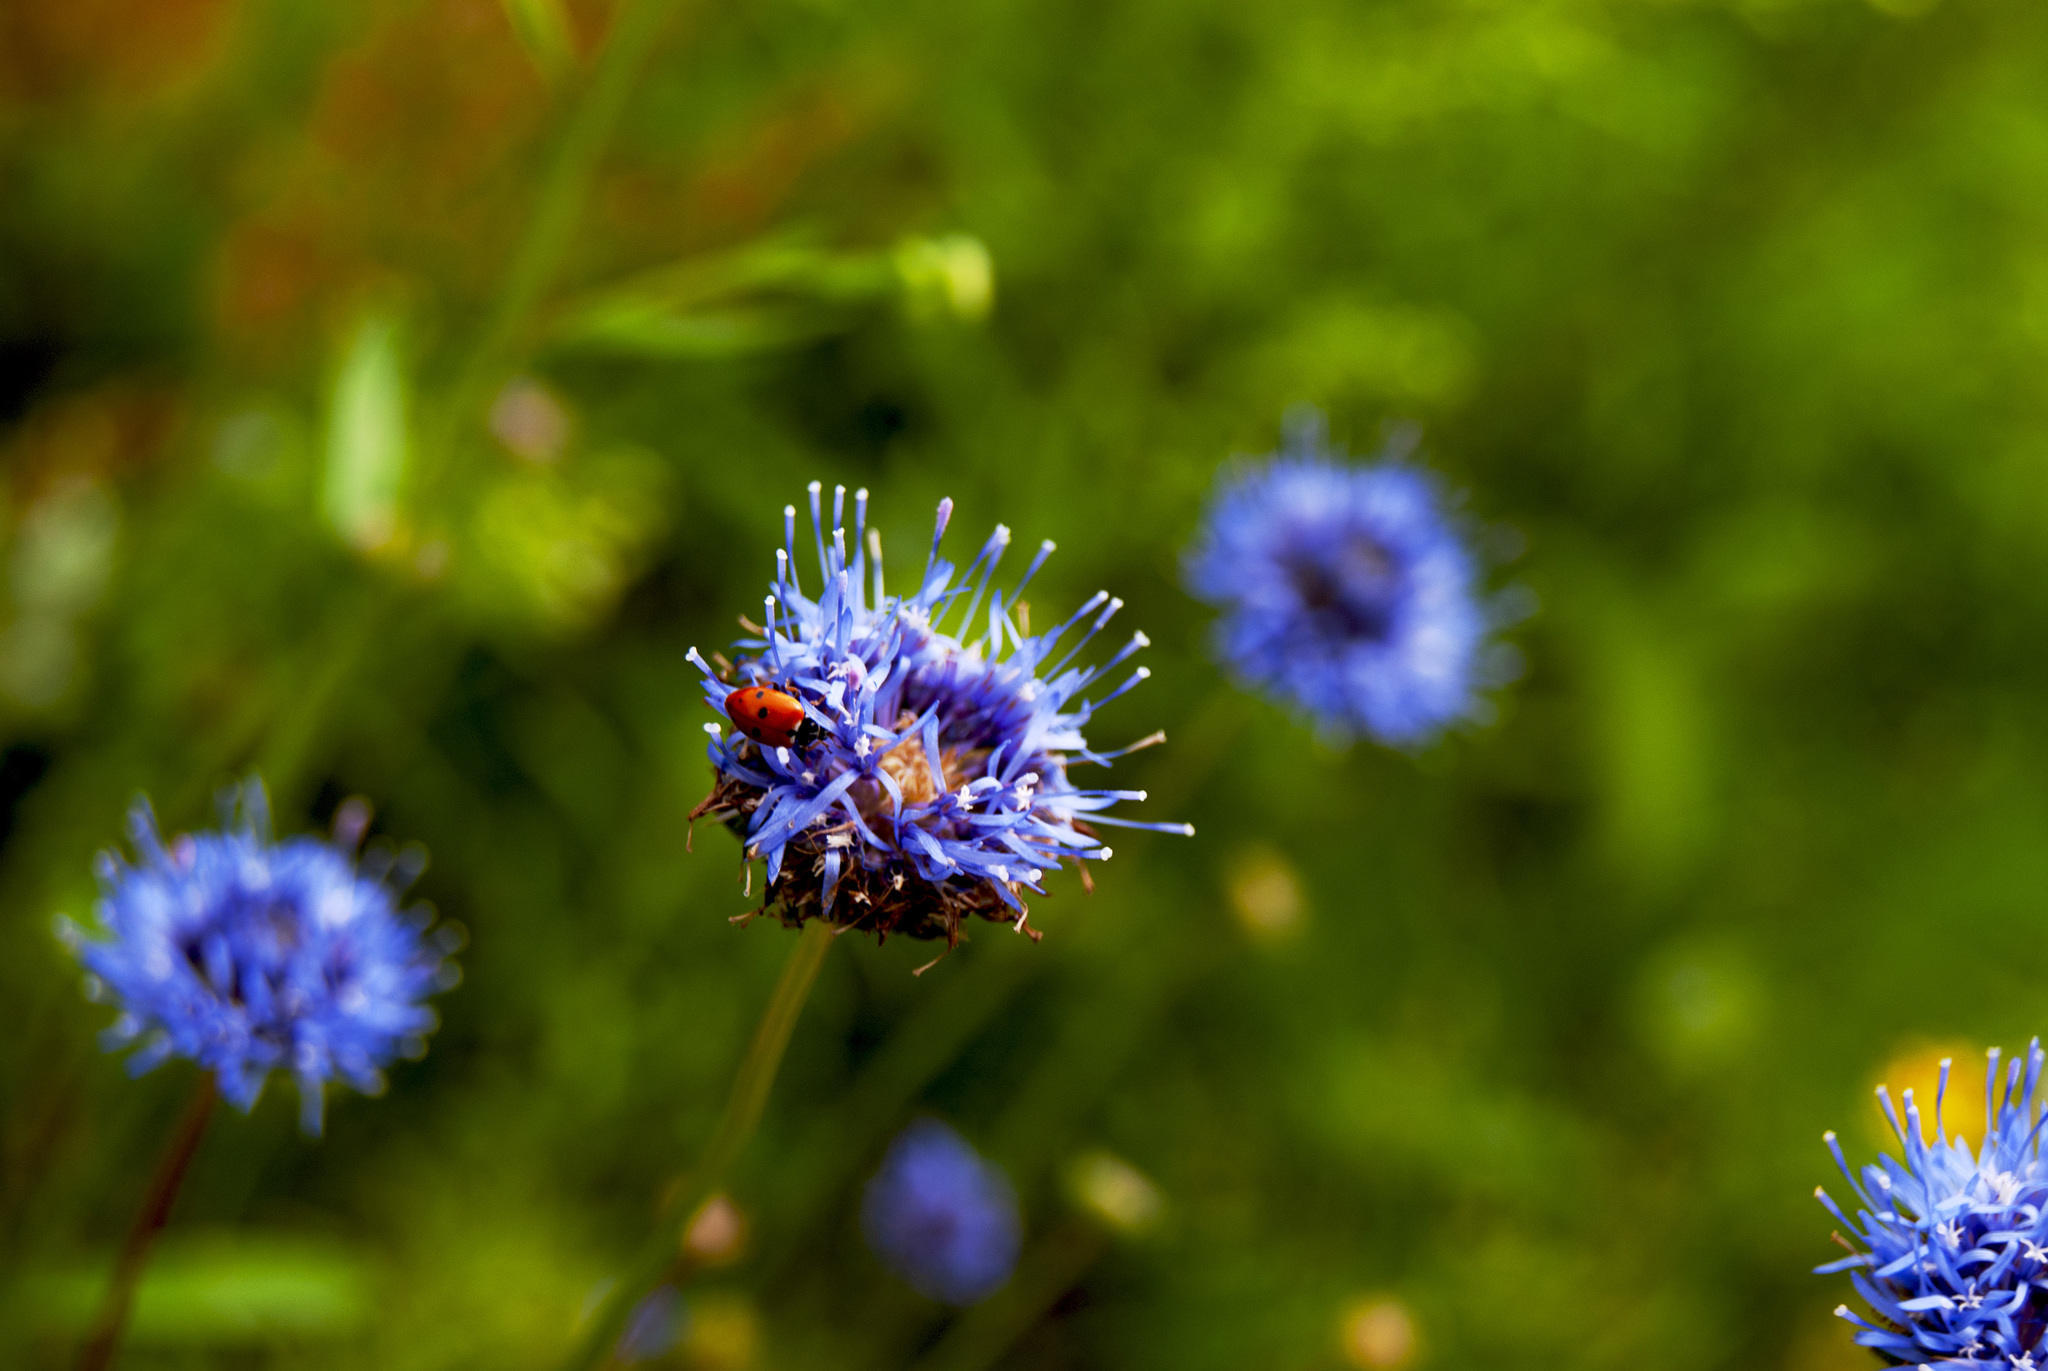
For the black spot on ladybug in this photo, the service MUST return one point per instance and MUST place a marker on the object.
(763, 714)
(753, 733)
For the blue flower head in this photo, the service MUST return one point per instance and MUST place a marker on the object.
(929, 780)
(942, 1217)
(1954, 1259)
(245, 955)
(1346, 590)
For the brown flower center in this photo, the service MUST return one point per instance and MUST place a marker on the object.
(907, 765)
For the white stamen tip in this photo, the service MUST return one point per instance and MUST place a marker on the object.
(712, 729)
(1048, 546)
(1141, 794)
(861, 494)
(1105, 855)
(815, 487)
(1144, 673)
(1003, 534)
(789, 511)
(1141, 640)
(1828, 1136)
(1187, 830)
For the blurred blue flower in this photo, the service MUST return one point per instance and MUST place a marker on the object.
(245, 955)
(1346, 590)
(930, 782)
(942, 1217)
(654, 1327)
(1956, 1245)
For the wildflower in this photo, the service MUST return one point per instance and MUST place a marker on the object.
(1950, 1241)
(655, 1326)
(1346, 591)
(942, 1217)
(245, 955)
(932, 782)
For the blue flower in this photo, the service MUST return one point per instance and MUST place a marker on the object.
(245, 955)
(1955, 1259)
(942, 1217)
(931, 779)
(1346, 590)
(654, 1327)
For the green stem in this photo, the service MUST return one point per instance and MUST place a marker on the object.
(742, 1113)
(98, 1352)
(558, 209)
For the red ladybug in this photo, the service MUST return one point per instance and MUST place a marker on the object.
(771, 718)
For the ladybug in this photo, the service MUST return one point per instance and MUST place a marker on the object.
(771, 718)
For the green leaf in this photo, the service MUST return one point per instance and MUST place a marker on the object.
(366, 437)
(542, 27)
(643, 328)
(777, 293)
(226, 1288)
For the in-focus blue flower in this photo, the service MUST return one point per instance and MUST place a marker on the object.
(941, 1216)
(936, 783)
(1954, 1263)
(248, 955)
(1346, 590)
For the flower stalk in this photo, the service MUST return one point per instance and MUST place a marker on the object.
(743, 1108)
(98, 1352)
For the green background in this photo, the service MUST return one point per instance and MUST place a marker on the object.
(1734, 316)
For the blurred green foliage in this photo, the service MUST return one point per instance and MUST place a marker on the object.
(392, 392)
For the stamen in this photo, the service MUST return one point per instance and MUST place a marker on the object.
(1045, 550)
(1107, 614)
(818, 531)
(985, 561)
(938, 532)
(789, 545)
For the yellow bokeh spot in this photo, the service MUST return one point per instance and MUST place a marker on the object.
(1379, 1334)
(1265, 894)
(724, 1335)
(1114, 1191)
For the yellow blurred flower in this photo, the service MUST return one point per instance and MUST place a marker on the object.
(1265, 894)
(1379, 1333)
(725, 1333)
